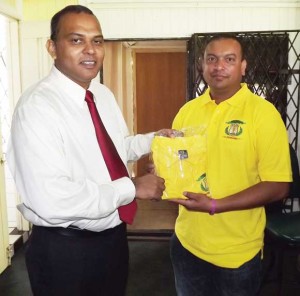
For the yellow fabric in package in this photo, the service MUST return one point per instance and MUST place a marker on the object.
(180, 161)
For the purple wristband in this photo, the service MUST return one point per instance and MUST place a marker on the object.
(213, 207)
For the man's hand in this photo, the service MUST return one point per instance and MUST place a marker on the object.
(150, 168)
(170, 133)
(255, 196)
(195, 202)
(149, 186)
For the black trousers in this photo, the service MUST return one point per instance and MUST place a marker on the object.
(62, 265)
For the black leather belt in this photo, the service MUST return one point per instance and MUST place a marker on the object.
(77, 232)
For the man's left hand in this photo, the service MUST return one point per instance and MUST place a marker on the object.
(194, 202)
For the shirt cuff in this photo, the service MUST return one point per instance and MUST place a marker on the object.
(126, 190)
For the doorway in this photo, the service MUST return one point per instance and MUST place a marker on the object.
(160, 92)
(158, 71)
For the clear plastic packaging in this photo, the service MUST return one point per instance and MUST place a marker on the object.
(180, 161)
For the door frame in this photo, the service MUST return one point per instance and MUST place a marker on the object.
(4, 237)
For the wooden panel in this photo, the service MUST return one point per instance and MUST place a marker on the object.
(160, 91)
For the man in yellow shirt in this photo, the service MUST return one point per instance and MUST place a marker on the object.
(216, 248)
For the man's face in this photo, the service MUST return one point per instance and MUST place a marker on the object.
(223, 66)
(78, 50)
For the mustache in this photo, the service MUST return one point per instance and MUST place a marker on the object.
(218, 74)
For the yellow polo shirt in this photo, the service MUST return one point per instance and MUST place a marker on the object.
(247, 143)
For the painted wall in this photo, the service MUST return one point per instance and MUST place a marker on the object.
(152, 19)
(9, 2)
(40, 10)
(176, 18)
(11, 8)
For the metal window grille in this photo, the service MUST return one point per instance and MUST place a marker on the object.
(272, 70)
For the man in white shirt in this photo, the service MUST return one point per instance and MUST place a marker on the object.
(78, 244)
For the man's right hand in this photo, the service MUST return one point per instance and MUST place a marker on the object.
(149, 186)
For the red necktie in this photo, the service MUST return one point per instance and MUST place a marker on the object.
(111, 157)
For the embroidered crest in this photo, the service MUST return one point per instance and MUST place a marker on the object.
(234, 129)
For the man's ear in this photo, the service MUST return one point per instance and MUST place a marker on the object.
(243, 67)
(50, 45)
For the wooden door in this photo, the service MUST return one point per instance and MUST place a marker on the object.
(160, 92)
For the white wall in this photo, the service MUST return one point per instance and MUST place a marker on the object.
(168, 19)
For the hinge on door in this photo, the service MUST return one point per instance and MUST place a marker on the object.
(9, 253)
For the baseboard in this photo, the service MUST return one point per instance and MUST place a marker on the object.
(149, 235)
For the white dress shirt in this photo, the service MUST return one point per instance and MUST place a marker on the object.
(56, 161)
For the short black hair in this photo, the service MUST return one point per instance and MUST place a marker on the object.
(68, 9)
(226, 36)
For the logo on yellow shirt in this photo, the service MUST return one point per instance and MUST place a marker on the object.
(234, 128)
(203, 182)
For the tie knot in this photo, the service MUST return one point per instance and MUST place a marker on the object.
(89, 97)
